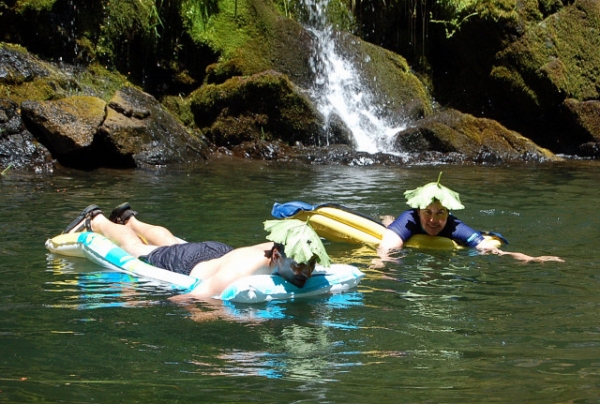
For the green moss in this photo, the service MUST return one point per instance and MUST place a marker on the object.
(34, 5)
(125, 20)
(100, 82)
(559, 57)
(262, 106)
(515, 84)
(54, 83)
(179, 107)
(454, 13)
(244, 33)
(30, 90)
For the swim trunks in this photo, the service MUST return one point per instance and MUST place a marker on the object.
(182, 258)
(408, 224)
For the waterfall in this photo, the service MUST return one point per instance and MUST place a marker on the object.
(338, 89)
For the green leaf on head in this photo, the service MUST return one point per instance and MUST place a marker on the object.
(423, 196)
(299, 239)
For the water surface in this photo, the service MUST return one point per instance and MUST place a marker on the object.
(434, 327)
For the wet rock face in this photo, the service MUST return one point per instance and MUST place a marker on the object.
(585, 118)
(138, 126)
(132, 130)
(475, 139)
(18, 148)
(17, 67)
(262, 107)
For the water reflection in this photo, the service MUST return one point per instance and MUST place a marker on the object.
(78, 288)
(296, 352)
(294, 345)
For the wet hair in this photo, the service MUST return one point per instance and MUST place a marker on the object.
(276, 246)
(281, 248)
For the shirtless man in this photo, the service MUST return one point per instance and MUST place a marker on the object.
(216, 264)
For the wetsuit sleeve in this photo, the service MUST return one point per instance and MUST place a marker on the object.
(461, 233)
(406, 224)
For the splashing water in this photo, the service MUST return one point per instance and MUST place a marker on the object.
(338, 89)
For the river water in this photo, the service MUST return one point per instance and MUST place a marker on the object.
(434, 327)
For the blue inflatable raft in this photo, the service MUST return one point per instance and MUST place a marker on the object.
(250, 289)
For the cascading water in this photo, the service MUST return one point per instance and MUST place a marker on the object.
(338, 89)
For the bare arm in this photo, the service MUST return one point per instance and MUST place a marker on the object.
(390, 242)
(486, 247)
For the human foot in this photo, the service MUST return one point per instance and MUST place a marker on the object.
(83, 222)
(122, 213)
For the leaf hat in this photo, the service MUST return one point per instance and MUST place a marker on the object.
(300, 240)
(423, 196)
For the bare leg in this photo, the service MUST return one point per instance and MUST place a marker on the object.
(124, 236)
(151, 234)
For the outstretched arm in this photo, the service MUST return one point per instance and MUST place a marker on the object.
(486, 247)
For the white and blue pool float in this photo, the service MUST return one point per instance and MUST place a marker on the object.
(250, 289)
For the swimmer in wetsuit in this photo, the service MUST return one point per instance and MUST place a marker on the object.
(430, 214)
(410, 222)
(216, 264)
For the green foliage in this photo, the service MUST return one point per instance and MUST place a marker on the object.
(221, 25)
(196, 14)
(301, 242)
(34, 5)
(125, 20)
(458, 12)
(455, 12)
(422, 197)
(340, 17)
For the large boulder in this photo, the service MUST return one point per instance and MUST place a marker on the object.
(475, 139)
(584, 117)
(264, 106)
(132, 130)
(18, 148)
(554, 60)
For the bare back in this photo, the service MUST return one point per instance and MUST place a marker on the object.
(219, 273)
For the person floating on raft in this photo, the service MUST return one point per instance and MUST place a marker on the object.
(430, 214)
(293, 252)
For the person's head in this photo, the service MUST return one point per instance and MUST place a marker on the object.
(433, 202)
(290, 270)
(296, 251)
(433, 218)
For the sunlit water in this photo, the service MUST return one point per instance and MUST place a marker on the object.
(435, 327)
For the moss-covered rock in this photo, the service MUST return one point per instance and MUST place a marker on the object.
(252, 38)
(584, 117)
(554, 60)
(19, 149)
(477, 139)
(24, 76)
(265, 106)
(388, 77)
(239, 72)
(132, 130)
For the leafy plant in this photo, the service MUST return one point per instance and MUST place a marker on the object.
(196, 13)
(459, 10)
(456, 12)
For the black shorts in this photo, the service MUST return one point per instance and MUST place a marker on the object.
(182, 258)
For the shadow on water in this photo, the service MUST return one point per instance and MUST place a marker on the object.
(438, 326)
